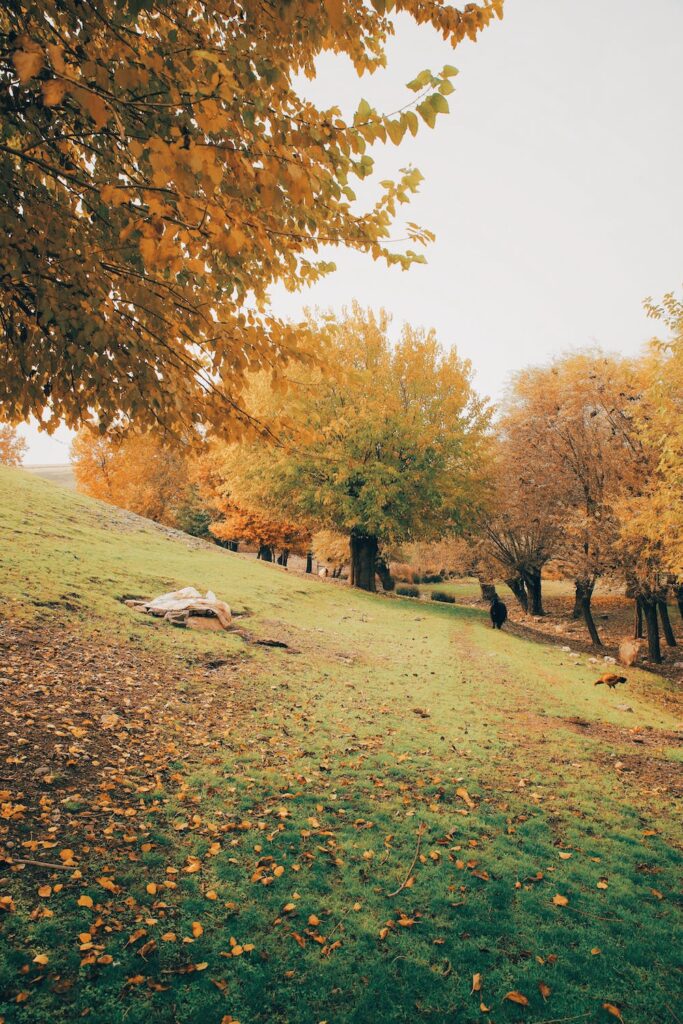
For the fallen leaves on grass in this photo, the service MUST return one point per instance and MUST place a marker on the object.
(559, 900)
(516, 997)
(613, 1010)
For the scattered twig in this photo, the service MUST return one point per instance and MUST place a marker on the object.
(677, 1019)
(340, 922)
(593, 917)
(401, 887)
(39, 863)
(560, 1020)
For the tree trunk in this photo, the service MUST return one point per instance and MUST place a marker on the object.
(577, 610)
(584, 594)
(283, 557)
(534, 586)
(265, 553)
(488, 591)
(309, 561)
(678, 591)
(516, 585)
(363, 561)
(382, 569)
(666, 622)
(650, 611)
(638, 619)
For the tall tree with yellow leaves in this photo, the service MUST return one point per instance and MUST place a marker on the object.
(139, 473)
(388, 448)
(158, 167)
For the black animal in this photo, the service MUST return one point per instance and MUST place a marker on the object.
(498, 612)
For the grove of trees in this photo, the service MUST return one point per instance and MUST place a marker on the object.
(382, 451)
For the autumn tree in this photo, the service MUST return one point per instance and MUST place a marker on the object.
(332, 548)
(159, 166)
(572, 426)
(268, 532)
(651, 516)
(12, 447)
(518, 528)
(139, 473)
(386, 448)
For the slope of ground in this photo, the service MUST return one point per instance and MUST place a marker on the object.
(62, 475)
(401, 816)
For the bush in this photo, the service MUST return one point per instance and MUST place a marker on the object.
(431, 577)
(441, 595)
(408, 591)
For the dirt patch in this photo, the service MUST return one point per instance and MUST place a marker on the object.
(89, 726)
(635, 753)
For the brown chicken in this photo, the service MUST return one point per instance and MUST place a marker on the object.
(611, 680)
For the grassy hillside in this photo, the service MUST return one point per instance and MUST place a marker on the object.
(401, 816)
(62, 475)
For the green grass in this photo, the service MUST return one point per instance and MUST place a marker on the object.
(335, 762)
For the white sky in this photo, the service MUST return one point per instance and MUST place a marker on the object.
(555, 185)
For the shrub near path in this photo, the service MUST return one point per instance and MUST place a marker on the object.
(373, 828)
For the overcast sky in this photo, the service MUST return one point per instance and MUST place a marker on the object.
(554, 186)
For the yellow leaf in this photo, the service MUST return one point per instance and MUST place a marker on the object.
(45, 890)
(41, 958)
(476, 982)
(288, 907)
(53, 92)
(560, 901)
(279, 870)
(602, 884)
(596, 951)
(197, 929)
(564, 855)
(614, 1010)
(516, 997)
(66, 855)
(27, 63)
(464, 795)
(169, 937)
(314, 921)
(151, 888)
(85, 901)
(211, 894)
(94, 105)
(544, 989)
(335, 12)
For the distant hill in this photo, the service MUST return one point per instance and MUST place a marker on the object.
(62, 475)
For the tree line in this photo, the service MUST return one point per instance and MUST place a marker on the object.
(384, 445)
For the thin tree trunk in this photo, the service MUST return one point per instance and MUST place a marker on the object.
(283, 557)
(666, 622)
(533, 582)
(638, 619)
(577, 610)
(650, 612)
(678, 591)
(584, 593)
(265, 553)
(309, 561)
(516, 585)
(363, 561)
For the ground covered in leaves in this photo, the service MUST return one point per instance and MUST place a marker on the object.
(401, 816)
